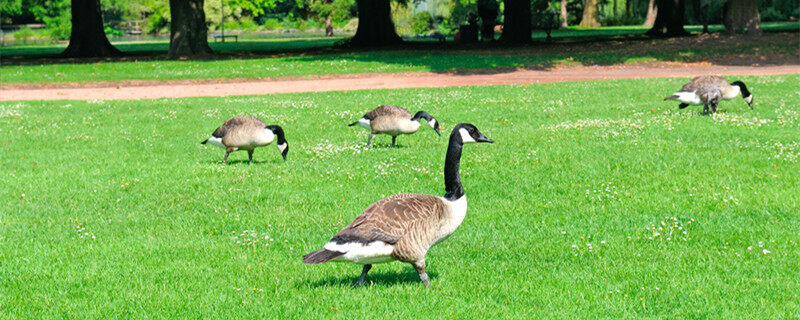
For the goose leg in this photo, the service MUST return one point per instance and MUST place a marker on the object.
(420, 267)
(225, 159)
(713, 108)
(705, 109)
(363, 275)
(250, 155)
(394, 138)
(369, 139)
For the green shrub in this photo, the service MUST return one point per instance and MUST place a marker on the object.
(109, 31)
(58, 27)
(24, 33)
(272, 24)
(772, 14)
(351, 25)
(422, 22)
(620, 20)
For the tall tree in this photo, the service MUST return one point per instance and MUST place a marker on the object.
(188, 30)
(652, 12)
(669, 20)
(564, 15)
(739, 15)
(88, 38)
(517, 22)
(590, 14)
(375, 26)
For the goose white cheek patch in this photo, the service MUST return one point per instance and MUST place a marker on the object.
(216, 141)
(749, 99)
(432, 123)
(465, 137)
(282, 147)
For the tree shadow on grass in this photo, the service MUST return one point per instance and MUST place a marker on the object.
(379, 279)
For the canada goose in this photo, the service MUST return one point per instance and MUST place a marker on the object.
(394, 121)
(247, 133)
(404, 226)
(709, 90)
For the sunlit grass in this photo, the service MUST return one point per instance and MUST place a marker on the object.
(597, 200)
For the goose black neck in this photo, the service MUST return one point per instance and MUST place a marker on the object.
(278, 131)
(452, 179)
(742, 88)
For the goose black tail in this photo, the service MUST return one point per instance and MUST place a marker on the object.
(352, 124)
(321, 255)
(204, 141)
(672, 97)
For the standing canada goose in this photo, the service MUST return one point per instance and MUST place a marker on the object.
(404, 226)
(709, 90)
(394, 121)
(247, 133)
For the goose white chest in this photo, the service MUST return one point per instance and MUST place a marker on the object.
(455, 211)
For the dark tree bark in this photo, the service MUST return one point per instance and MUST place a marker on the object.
(517, 22)
(564, 15)
(590, 14)
(188, 30)
(669, 20)
(328, 26)
(652, 12)
(375, 26)
(88, 38)
(739, 15)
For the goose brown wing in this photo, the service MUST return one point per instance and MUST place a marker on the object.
(235, 122)
(391, 218)
(387, 111)
(701, 82)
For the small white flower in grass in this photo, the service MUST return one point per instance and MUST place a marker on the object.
(603, 242)
(574, 245)
(765, 251)
(563, 232)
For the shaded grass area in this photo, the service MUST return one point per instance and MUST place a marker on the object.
(588, 205)
(235, 64)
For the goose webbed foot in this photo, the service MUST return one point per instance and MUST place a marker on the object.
(705, 110)
(420, 267)
(363, 275)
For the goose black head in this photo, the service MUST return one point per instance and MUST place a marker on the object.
(283, 146)
(468, 133)
(746, 95)
(431, 121)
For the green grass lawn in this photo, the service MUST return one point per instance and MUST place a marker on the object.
(597, 200)
(233, 64)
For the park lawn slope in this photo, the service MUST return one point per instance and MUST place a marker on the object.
(773, 48)
(589, 205)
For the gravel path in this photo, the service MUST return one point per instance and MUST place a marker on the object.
(149, 90)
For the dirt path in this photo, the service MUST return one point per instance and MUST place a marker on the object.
(386, 81)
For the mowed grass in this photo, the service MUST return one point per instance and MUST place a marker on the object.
(598, 200)
(234, 63)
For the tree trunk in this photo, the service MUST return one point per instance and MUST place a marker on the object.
(88, 38)
(652, 12)
(740, 15)
(669, 20)
(188, 30)
(590, 15)
(629, 7)
(328, 26)
(517, 22)
(375, 27)
(564, 15)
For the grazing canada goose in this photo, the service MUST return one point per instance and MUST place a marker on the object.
(404, 226)
(247, 133)
(709, 90)
(394, 121)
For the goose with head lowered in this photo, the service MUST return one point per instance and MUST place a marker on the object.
(394, 121)
(404, 226)
(709, 91)
(247, 133)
